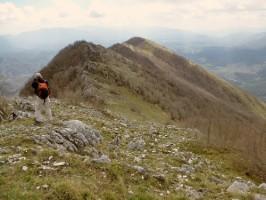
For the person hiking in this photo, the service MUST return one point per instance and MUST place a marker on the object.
(42, 102)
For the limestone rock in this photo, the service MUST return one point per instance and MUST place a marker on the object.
(139, 169)
(102, 159)
(24, 104)
(259, 197)
(194, 194)
(238, 187)
(262, 186)
(136, 144)
(58, 164)
(24, 168)
(73, 137)
(160, 177)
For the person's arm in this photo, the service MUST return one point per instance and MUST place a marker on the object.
(34, 84)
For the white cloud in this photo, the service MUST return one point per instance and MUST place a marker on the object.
(95, 14)
(195, 15)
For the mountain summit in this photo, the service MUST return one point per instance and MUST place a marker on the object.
(225, 115)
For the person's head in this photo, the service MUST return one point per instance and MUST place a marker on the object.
(37, 76)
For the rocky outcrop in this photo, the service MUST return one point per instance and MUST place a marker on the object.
(74, 136)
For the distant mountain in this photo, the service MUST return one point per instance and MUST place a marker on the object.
(226, 116)
(5, 44)
(228, 56)
(57, 38)
(239, 58)
(23, 62)
(17, 67)
(10, 86)
(256, 41)
(221, 56)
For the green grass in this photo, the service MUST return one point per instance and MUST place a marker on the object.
(135, 108)
(80, 180)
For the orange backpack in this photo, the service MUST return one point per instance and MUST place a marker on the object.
(43, 91)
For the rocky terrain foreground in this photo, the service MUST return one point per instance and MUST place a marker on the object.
(88, 153)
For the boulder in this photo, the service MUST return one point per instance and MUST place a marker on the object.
(74, 136)
(238, 187)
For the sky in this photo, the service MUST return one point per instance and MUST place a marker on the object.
(204, 16)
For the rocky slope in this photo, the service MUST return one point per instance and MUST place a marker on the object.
(88, 153)
(139, 68)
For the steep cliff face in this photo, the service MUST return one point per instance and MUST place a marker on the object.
(226, 116)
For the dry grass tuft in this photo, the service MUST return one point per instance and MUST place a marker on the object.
(4, 109)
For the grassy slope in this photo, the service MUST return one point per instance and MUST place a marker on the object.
(228, 117)
(85, 180)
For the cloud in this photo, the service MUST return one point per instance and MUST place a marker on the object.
(194, 15)
(95, 14)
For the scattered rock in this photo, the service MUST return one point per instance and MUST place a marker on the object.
(24, 104)
(238, 187)
(191, 193)
(136, 144)
(15, 158)
(3, 151)
(44, 167)
(123, 124)
(104, 159)
(58, 164)
(24, 168)
(137, 159)
(262, 186)
(21, 115)
(139, 169)
(45, 186)
(130, 192)
(160, 177)
(259, 197)
(186, 169)
(194, 194)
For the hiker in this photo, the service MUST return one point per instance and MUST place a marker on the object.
(42, 102)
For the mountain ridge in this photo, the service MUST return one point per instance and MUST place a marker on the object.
(226, 116)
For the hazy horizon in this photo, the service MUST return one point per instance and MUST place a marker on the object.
(205, 16)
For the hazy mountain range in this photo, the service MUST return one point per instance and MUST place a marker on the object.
(238, 57)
